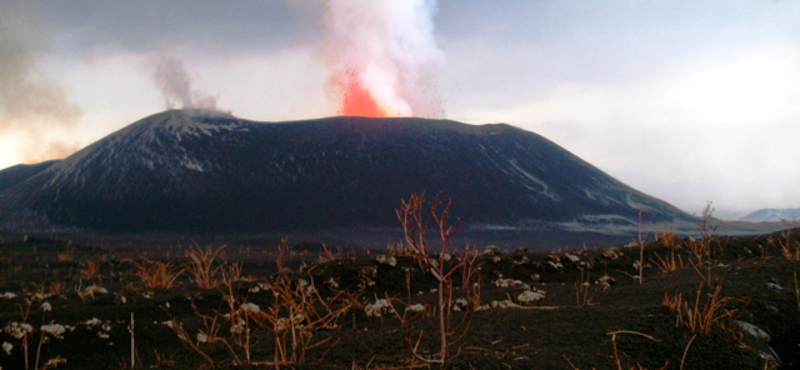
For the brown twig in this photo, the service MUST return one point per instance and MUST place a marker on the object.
(686, 350)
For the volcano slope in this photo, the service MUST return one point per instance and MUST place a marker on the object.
(200, 171)
(310, 306)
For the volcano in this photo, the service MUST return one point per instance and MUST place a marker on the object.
(203, 171)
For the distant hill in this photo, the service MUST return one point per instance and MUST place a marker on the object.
(773, 215)
(201, 171)
(16, 174)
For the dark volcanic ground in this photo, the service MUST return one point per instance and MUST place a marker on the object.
(581, 323)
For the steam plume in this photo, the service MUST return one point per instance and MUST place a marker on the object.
(30, 102)
(171, 77)
(383, 56)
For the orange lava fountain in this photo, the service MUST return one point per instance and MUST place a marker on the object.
(356, 100)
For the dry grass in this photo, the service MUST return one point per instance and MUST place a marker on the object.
(40, 292)
(789, 249)
(156, 274)
(584, 294)
(91, 270)
(671, 261)
(797, 291)
(230, 274)
(280, 260)
(686, 351)
(640, 242)
(617, 361)
(56, 287)
(66, 256)
(699, 317)
(202, 266)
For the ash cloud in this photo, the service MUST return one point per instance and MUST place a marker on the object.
(31, 103)
(53, 150)
(171, 77)
(391, 46)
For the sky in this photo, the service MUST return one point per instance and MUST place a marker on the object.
(687, 101)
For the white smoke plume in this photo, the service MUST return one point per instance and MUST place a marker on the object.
(390, 47)
(31, 103)
(175, 83)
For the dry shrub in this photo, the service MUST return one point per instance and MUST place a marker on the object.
(327, 254)
(416, 217)
(297, 312)
(189, 342)
(702, 248)
(707, 250)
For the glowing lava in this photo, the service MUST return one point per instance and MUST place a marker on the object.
(357, 101)
(383, 58)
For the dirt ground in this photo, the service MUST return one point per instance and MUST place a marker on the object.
(67, 305)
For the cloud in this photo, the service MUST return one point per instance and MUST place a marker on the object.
(141, 26)
(31, 102)
(53, 150)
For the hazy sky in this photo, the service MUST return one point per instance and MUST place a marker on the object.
(688, 101)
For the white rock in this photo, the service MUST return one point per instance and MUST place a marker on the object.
(753, 330)
(378, 309)
(55, 330)
(7, 347)
(250, 307)
(774, 286)
(573, 258)
(93, 289)
(386, 260)
(18, 330)
(531, 296)
(53, 363)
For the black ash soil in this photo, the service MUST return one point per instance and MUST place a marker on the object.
(593, 307)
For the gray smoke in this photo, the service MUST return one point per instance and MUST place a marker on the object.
(175, 83)
(31, 103)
